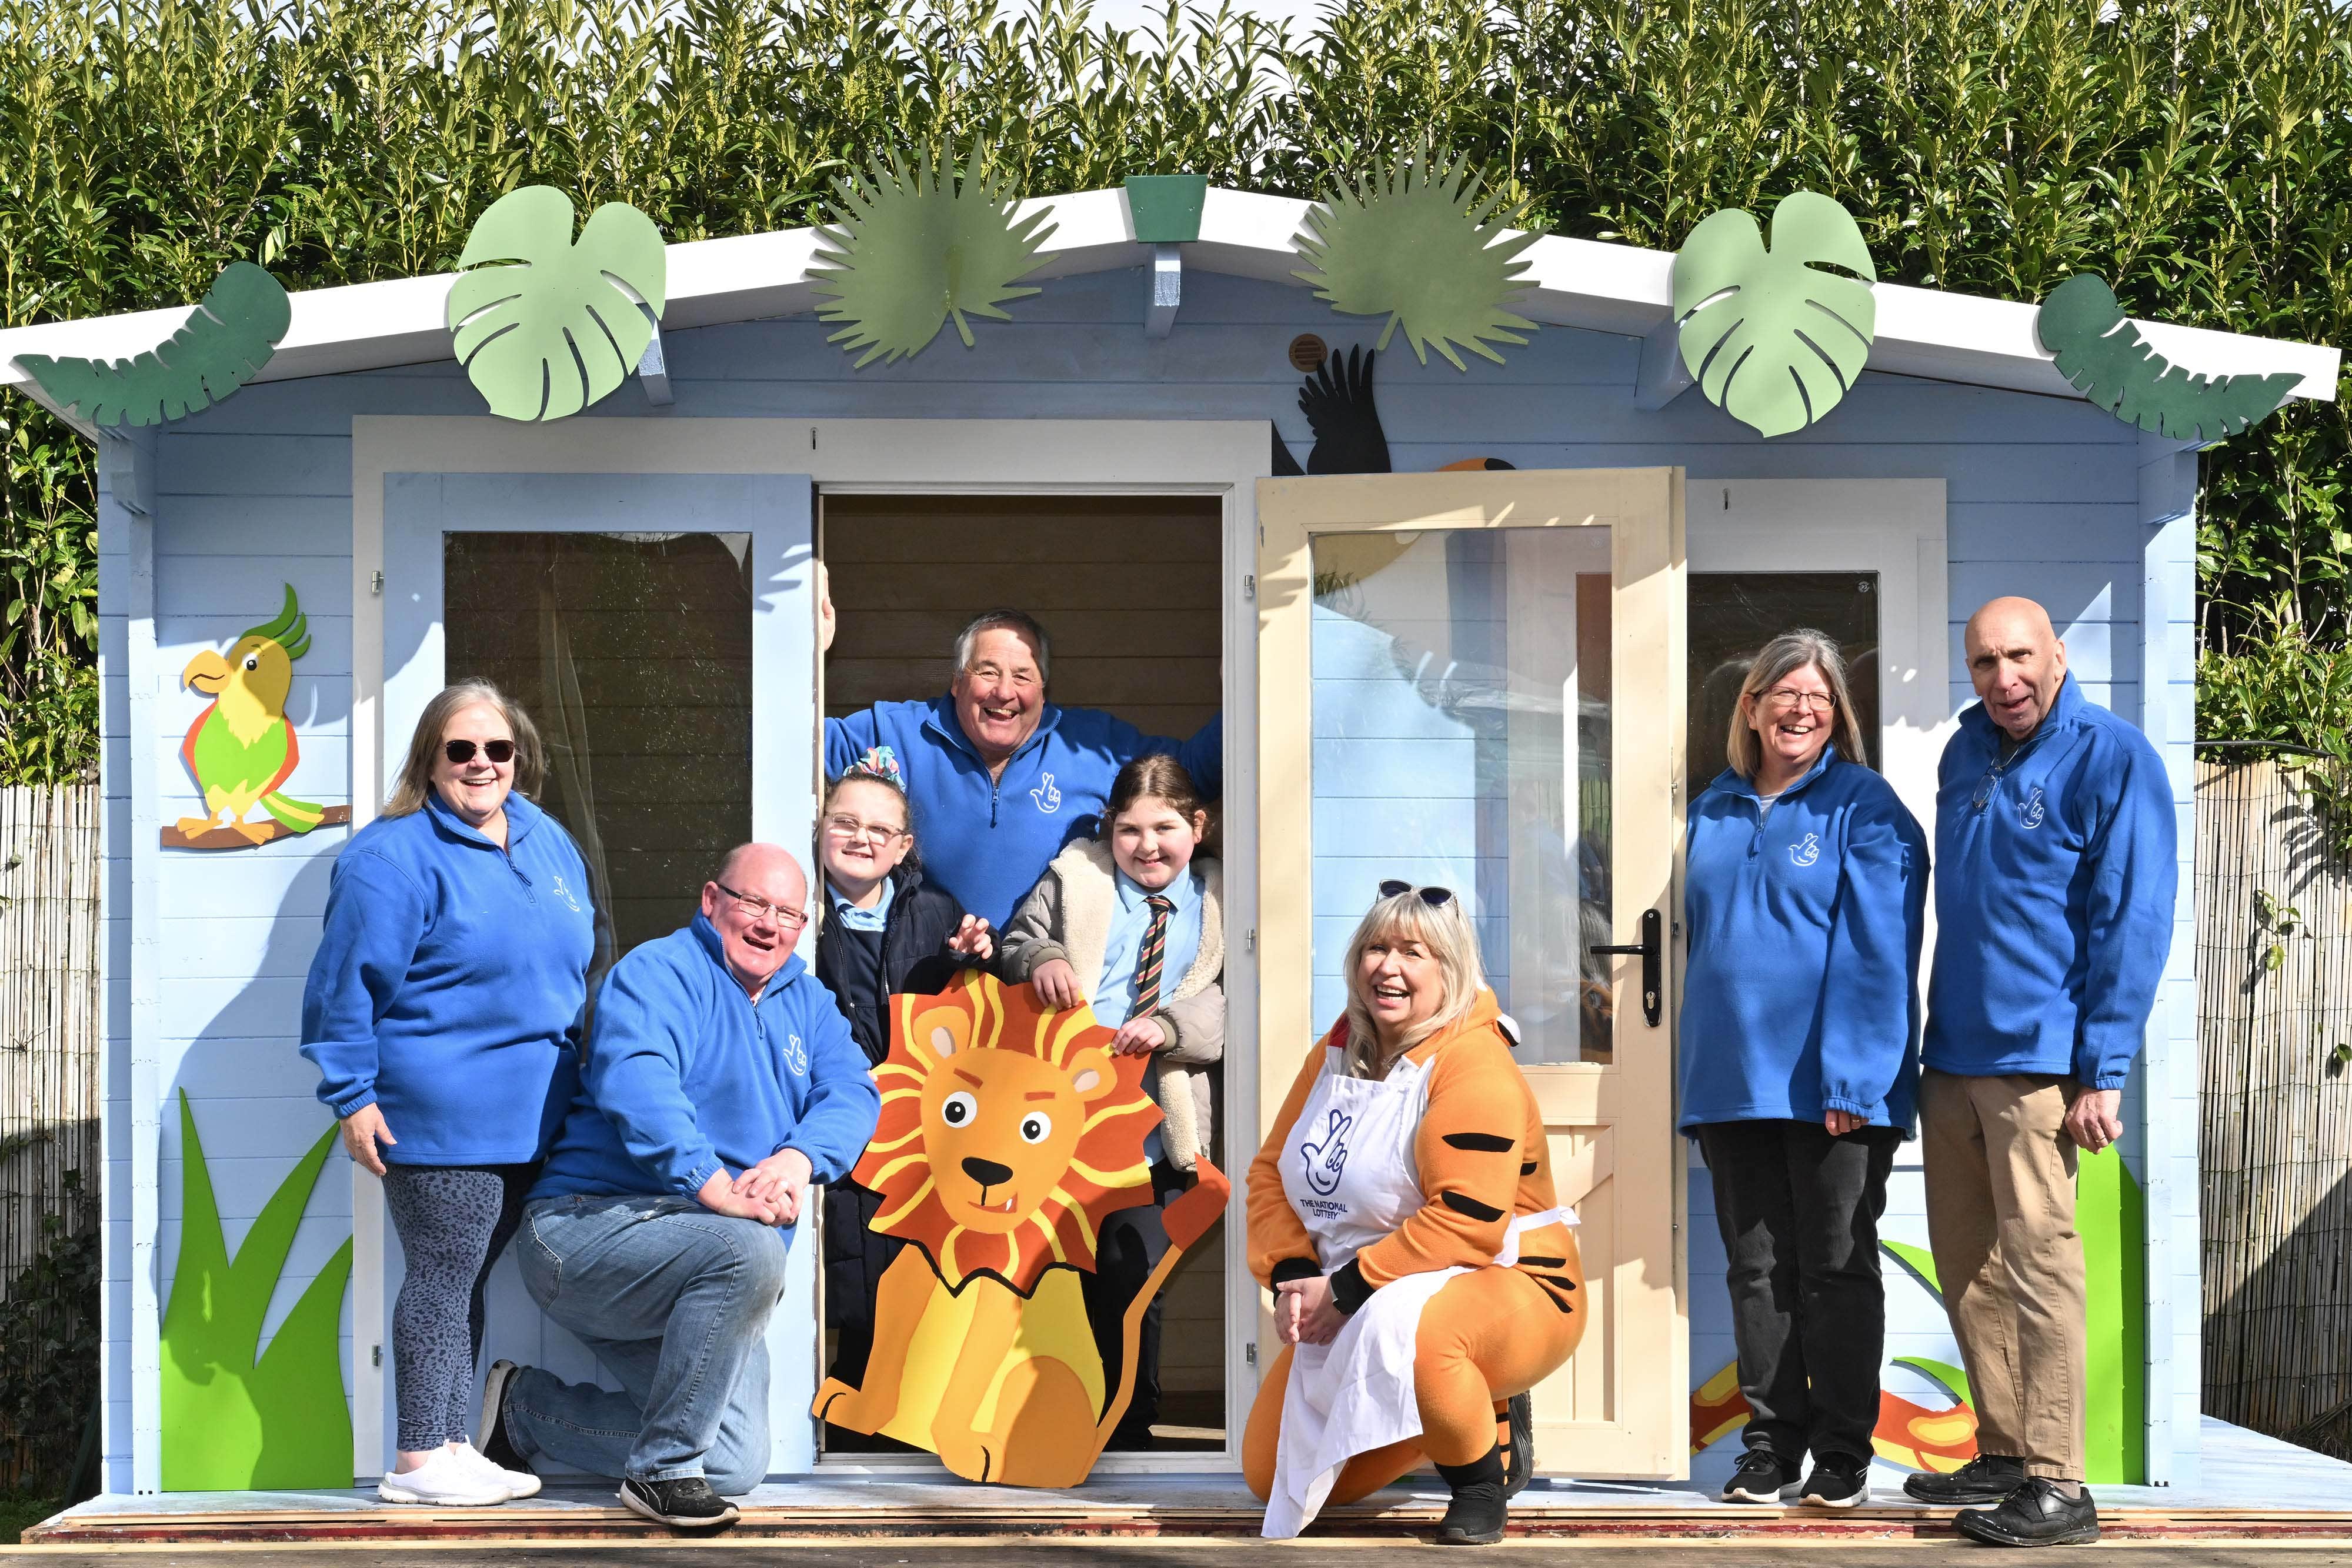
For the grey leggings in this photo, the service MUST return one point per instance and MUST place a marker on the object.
(454, 1221)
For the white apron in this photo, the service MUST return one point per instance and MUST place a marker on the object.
(1351, 1177)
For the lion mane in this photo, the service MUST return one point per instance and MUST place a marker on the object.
(1106, 1173)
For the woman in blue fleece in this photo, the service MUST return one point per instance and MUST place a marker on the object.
(1805, 901)
(443, 1011)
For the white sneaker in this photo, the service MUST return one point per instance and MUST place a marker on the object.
(519, 1483)
(443, 1481)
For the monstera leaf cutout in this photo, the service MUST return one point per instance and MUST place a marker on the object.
(227, 338)
(2106, 359)
(1774, 341)
(1415, 242)
(544, 326)
(911, 247)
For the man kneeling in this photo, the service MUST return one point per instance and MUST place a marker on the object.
(657, 1232)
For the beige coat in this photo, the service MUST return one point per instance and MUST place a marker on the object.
(1067, 916)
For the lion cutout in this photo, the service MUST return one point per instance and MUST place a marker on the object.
(1008, 1134)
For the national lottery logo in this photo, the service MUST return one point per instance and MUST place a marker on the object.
(561, 891)
(1806, 853)
(1323, 1161)
(796, 1057)
(2031, 809)
(1048, 795)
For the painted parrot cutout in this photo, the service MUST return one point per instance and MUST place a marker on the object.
(242, 747)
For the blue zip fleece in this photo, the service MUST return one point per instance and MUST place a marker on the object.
(1802, 991)
(685, 1075)
(450, 983)
(986, 841)
(2053, 896)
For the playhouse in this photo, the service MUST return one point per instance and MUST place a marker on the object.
(1466, 616)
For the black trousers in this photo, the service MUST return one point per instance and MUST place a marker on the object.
(1131, 1244)
(1798, 1211)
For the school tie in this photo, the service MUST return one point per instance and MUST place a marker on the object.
(1148, 958)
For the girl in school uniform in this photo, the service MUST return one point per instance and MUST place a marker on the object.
(1133, 922)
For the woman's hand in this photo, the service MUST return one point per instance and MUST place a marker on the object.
(1305, 1313)
(1056, 984)
(971, 940)
(1139, 1037)
(1840, 1122)
(362, 1129)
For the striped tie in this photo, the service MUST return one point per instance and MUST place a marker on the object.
(1149, 956)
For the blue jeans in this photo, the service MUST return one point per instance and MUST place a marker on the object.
(673, 1299)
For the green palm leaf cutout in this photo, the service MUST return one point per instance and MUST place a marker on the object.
(542, 325)
(233, 1419)
(1943, 1374)
(1774, 341)
(1417, 243)
(228, 337)
(2103, 355)
(913, 247)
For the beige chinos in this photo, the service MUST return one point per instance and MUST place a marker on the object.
(2000, 1221)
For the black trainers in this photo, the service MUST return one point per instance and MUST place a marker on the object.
(1988, 1478)
(1474, 1516)
(685, 1503)
(2035, 1514)
(1760, 1478)
(1520, 1459)
(491, 1441)
(1838, 1482)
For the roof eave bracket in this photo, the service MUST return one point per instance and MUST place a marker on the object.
(1167, 291)
(1663, 376)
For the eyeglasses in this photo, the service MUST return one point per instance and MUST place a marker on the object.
(500, 753)
(760, 909)
(1432, 896)
(1785, 698)
(852, 828)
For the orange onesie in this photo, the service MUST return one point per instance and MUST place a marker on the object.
(1485, 1336)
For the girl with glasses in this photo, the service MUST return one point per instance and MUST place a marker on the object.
(444, 1010)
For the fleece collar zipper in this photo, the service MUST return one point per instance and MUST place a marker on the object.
(943, 723)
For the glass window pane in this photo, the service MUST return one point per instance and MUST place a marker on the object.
(1734, 614)
(633, 654)
(1461, 739)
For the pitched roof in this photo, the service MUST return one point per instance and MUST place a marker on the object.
(1584, 283)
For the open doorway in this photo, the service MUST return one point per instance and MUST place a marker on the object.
(1129, 589)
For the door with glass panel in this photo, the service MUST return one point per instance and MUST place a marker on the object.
(1476, 681)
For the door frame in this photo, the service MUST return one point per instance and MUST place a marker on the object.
(900, 457)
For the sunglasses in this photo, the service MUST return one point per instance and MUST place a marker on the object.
(1432, 896)
(462, 751)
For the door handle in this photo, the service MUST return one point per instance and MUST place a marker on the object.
(1652, 940)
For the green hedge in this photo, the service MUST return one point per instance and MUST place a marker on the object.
(2197, 152)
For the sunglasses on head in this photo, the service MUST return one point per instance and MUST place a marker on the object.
(1432, 896)
(462, 751)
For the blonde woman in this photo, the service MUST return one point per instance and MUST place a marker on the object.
(1805, 901)
(1403, 1211)
(443, 1011)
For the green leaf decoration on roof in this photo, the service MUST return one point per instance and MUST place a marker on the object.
(544, 326)
(1772, 339)
(913, 247)
(1416, 242)
(2104, 355)
(228, 337)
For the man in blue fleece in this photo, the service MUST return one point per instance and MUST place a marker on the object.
(1002, 779)
(720, 1081)
(2054, 883)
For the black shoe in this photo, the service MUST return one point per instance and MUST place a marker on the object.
(1520, 1459)
(1988, 1478)
(685, 1503)
(492, 1442)
(1760, 1478)
(1838, 1482)
(2035, 1514)
(1474, 1517)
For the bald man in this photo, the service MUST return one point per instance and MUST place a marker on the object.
(2055, 884)
(720, 1080)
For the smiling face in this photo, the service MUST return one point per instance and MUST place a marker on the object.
(864, 836)
(757, 940)
(1792, 718)
(1000, 695)
(477, 788)
(1153, 842)
(1001, 1127)
(2016, 663)
(1401, 983)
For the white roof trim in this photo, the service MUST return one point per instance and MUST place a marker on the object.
(1578, 283)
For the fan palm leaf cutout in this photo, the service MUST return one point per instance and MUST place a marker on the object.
(913, 247)
(1417, 243)
(544, 326)
(2105, 357)
(226, 340)
(1773, 339)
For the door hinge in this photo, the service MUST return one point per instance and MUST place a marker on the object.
(1249, 1352)
(377, 582)
(1249, 584)
(1249, 939)
(375, 1355)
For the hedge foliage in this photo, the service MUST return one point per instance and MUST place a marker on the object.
(2196, 152)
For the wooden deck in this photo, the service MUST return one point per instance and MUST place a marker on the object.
(2251, 1487)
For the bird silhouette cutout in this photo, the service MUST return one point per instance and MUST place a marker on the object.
(242, 747)
(1337, 402)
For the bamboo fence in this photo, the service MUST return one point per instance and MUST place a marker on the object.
(2274, 1006)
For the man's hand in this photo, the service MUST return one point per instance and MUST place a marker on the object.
(780, 1180)
(720, 1196)
(1056, 984)
(1840, 1122)
(824, 618)
(1305, 1313)
(362, 1129)
(1139, 1037)
(2093, 1121)
(971, 940)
